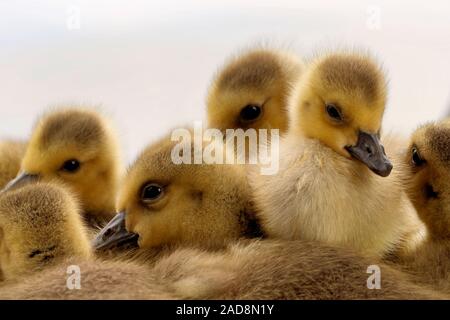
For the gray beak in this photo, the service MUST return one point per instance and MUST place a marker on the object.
(370, 151)
(22, 178)
(114, 234)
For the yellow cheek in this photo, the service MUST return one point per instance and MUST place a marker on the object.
(153, 229)
(337, 138)
(275, 115)
(350, 137)
(131, 222)
(155, 236)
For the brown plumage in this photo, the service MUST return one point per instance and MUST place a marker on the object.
(273, 269)
(100, 280)
(40, 226)
(248, 270)
(353, 75)
(427, 162)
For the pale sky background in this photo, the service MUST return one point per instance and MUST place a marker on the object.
(148, 63)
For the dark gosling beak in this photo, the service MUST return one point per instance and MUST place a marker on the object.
(114, 234)
(22, 178)
(371, 152)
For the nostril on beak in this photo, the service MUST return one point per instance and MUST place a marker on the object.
(369, 149)
(107, 234)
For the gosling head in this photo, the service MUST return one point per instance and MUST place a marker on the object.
(165, 204)
(78, 147)
(39, 225)
(340, 101)
(251, 91)
(428, 163)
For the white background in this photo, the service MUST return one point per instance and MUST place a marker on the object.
(148, 63)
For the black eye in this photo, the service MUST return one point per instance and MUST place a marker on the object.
(71, 166)
(334, 112)
(416, 158)
(151, 192)
(250, 113)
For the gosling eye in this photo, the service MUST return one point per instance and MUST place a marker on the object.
(334, 112)
(151, 192)
(250, 112)
(71, 166)
(416, 159)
